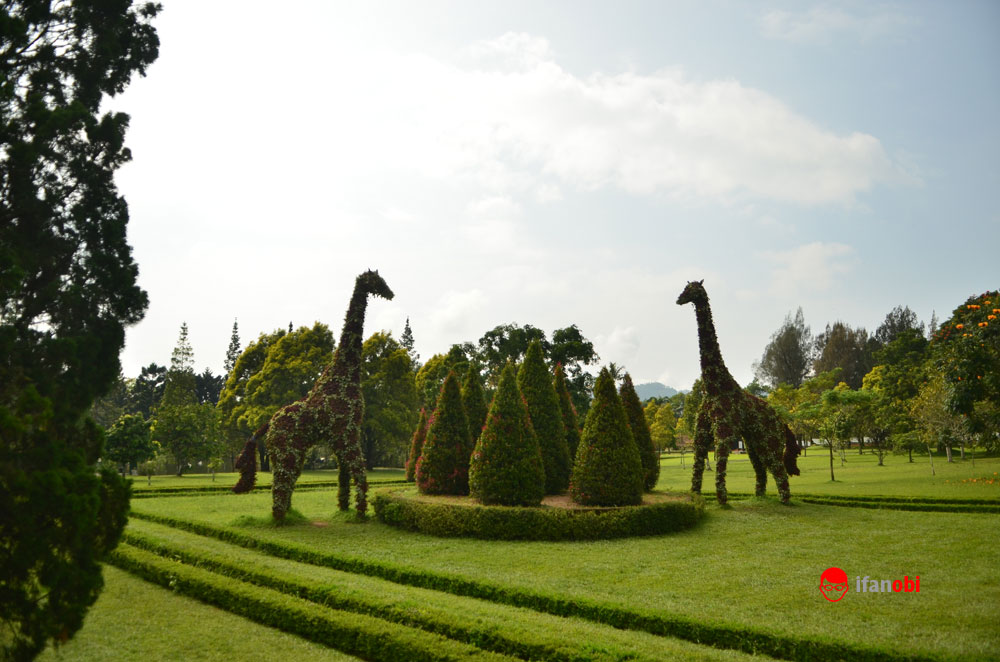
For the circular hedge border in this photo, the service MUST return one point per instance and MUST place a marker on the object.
(442, 516)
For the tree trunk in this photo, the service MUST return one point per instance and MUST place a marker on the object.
(265, 464)
(931, 456)
(947, 450)
(831, 463)
(910, 451)
(961, 449)
(861, 446)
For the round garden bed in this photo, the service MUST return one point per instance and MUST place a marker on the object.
(557, 518)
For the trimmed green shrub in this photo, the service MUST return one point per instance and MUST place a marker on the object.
(506, 467)
(640, 433)
(535, 384)
(443, 466)
(398, 508)
(475, 404)
(416, 446)
(570, 417)
(608, 469)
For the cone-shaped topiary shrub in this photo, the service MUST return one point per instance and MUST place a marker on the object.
(443, 467)
(640, 433)
(506, 467)
(416, 445)
(569, 415)
(535, 384)
(608, 470)
(475, 403)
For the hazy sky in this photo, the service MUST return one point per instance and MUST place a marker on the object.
(557, 163)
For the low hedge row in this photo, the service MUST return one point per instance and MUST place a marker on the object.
(893, 505)
(548, 647)
(719, 635)
(398, 508)
(353, 633)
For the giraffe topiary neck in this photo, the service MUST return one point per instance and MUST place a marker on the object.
(352, 336)
(713, 369)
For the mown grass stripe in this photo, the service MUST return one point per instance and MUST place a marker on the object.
(887, 505)
(719, 635)
(138, 490)
(356, 634)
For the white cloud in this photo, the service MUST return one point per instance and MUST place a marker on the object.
(812, 267)
(821, 24)
(455, 310)
(621, 346)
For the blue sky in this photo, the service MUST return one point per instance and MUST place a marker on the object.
(563, 162)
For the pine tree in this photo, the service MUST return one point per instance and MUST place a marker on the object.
(233, 352)
(443, 466)
(608, 469)
(506, 467)
(535, 383)
(640, 433)
(475, 403)
(406, 340)
(569, 415)
(416, 446)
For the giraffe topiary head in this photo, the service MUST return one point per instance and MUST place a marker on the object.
(372, 283)
(693, 293)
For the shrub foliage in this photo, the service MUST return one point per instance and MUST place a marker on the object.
(443, 466)
(475, 403)
(506, 467)
(569, 415)
(640, 433)
(416, 446)
(535, 384)
(608, 469)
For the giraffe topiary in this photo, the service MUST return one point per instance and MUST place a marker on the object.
(330, 412)
(728, 413)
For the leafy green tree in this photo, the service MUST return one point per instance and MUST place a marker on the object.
(443, 466)
(936, 422)
(233, 351)
(390, 394)
(571, 350)
(640, 433)
(128, 442)
(899, 320)
(663, 428)
(188, 430)
(474, 401)
(67, 290)
(506, 467)
(273, 371)
(840, 346)
(571, 420)
(786, 357)
(109, 407)
(431, 375)
(406, 340)
(416, 446)
(207, 387)
(535, 384)
(608, 469)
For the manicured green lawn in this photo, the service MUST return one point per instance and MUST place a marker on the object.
(860, 475)
(135, 620)
(755, 565)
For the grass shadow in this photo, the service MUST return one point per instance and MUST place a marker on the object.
(292, 518)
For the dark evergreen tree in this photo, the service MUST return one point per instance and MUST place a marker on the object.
(207, 387)
(416, 446)
(640, 433)
(608, 469)
(569, 415)
(67, 290)
(535, 384)
(475, 404)
(840, 346)
(786, 357)
(506, 467)
(147, 390)
(233, 351)
(406, 340)
(443, 466)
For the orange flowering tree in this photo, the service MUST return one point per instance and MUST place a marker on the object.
(967, 352)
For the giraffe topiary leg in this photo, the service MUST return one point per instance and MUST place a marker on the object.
(781, 479)
(343, 483)
(702, 442)
(759, 468)
(721, 460)
(287, 442)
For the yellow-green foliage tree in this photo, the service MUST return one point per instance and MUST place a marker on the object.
(535, 384)
(443, 466)
(506, 467)
(569, 415)
(640, 433)
(608, 469)
(387, 386)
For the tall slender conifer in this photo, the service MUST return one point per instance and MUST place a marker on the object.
(569, 415)
(416, 446)
(443, 467)
(535, 383)
(640, 433)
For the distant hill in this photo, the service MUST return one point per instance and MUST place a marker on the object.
(654, 390)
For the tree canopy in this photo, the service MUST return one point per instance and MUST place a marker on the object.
(786, 357)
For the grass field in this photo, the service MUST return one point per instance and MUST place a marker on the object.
(752, 569)
(227, 480)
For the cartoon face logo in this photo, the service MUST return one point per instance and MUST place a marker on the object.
(833, 584)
